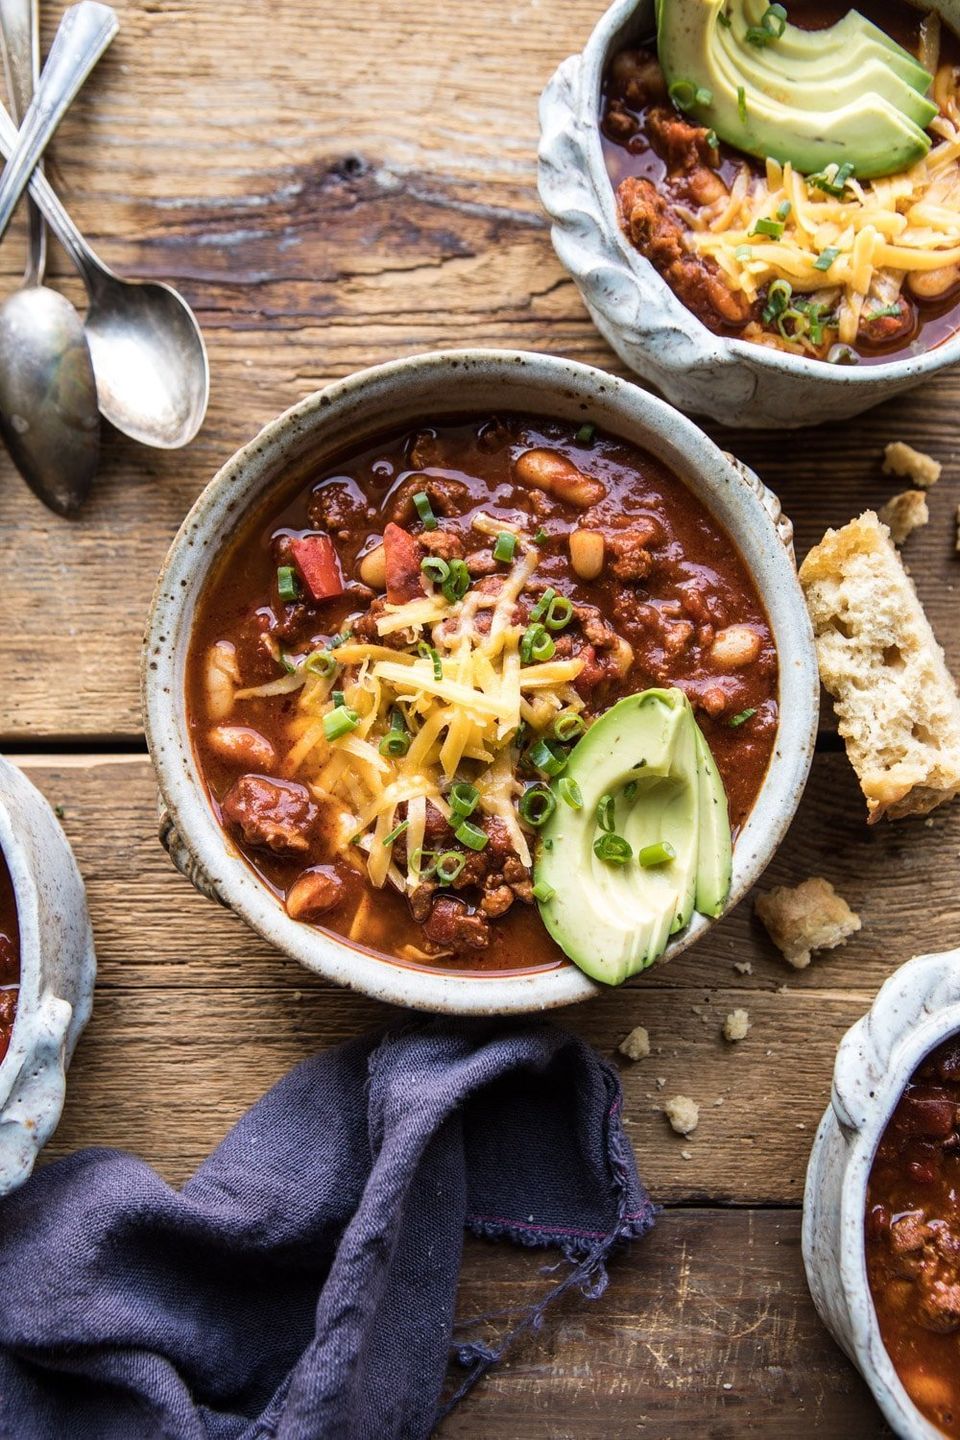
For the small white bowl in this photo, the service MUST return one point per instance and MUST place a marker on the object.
(634, 308)
(916, 1009)
(390, 398)
(57, 971)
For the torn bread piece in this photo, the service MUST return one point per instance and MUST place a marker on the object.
(736, 1025)
(636, 1045)
(682, 1113)
(905, 513)
(896, 702)
(806, 917)
(901, 459)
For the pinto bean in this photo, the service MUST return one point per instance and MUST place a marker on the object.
(221, 678)
(931, 284)
(587, 552)
(313, 893)
(242, 745)
(549, 470)
(373, 568)
(734, 647)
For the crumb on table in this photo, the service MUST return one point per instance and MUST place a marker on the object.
(902, 459)
(905, 513)
(736, 1025)
(636, 1045)
(682, 1113)
(806, 917)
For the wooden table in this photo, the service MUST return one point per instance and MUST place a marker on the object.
(331, 187)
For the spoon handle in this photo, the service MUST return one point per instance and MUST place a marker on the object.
(20, 46)
(85, 32)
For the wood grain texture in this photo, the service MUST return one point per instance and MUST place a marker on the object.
(327, 200)
(706, 1330)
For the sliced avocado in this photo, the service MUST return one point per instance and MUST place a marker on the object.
(846, 120)
(648, 754)
(840, 41)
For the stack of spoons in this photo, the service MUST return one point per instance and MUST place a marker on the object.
(137, 358)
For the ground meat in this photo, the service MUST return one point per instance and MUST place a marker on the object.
(338, 506)
(682, 145)
(658, 233)
(443, 543)
(638, 74)
(481, 562)
(364, 628)
(447, 497)
(631, 551)
(885, 329)
(453, 927)
(618, 122)
(497, 901)
(421, 901)
(277, 814)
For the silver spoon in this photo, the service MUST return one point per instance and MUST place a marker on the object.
(48, 394)
(150, 362)
(20, 47)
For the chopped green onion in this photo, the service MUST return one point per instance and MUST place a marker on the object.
(321, 662)
(630, 790)
(764, 226)
(543, 757)
(606, 818)
(724, 19)
(568, 727)
(883, 312)
(741, 717)
(395, 744)
(537, 804)
(743, 253)
(463, 798)
(712, 140)
(505, 547)
(471, 835)
(541, 536)
(288, 586)
(683, 93)
(570, 792)
(773, 23)
(338, 697)
(288, 663)
(457, 582)
(543, 604)
(585, 434)
(435, 569)
(424, 509)
(341, 639)
(340, 722)
(395, 834)
(613, 848)
(832, 180)
(559, 613)
(536, 645)
(659, 854)
(779, 294)
(543, 892)
(449, 865)
(742, 104)
(703, 95)
(826, 258)
(428, 653)
(783, 209)
(422, 863)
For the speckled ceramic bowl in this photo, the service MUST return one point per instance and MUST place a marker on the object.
(389, 398)
(637, 312)
(917, 1008)
(57, 970)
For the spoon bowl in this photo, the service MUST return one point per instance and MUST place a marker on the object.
(48, 400)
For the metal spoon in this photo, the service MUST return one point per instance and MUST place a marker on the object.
(20, 47)
(150, 362)
(48, 395)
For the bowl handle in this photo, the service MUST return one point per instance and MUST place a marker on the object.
(172, 842)
(770, 502)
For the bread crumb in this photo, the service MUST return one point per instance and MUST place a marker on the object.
(901, 459)
(895, 699)
(736, 1025)
(683, 1114)
(636, 1045)
(686, 1154)
(807, 917)
(743, 967)
(661, 1081)
(905, 513)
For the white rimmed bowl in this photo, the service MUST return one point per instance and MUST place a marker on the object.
(916, 1009)
(634, 308)
(57, 971)
(390, 398)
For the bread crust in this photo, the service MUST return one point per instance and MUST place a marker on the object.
(895, 700)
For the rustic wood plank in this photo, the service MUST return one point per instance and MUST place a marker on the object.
(706, 1330)
(324, 210)
(196, 1016)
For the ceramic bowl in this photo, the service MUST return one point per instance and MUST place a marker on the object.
(637, 312)
(57, 970)
(917, 1008)
(388, 398)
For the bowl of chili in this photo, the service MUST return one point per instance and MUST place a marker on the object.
(47, 971)
(521, 456)
(881, 1233)
(595, 142)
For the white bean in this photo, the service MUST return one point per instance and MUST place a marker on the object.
(373, 568)
(222, 676)
(734, 647)
(931, 284)
(242, 745)
(586, 553)
(549, 470)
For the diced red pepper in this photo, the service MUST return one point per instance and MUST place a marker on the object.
(403, 554)
(319, 565)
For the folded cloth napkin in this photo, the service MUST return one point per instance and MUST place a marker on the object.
(301, 1285)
